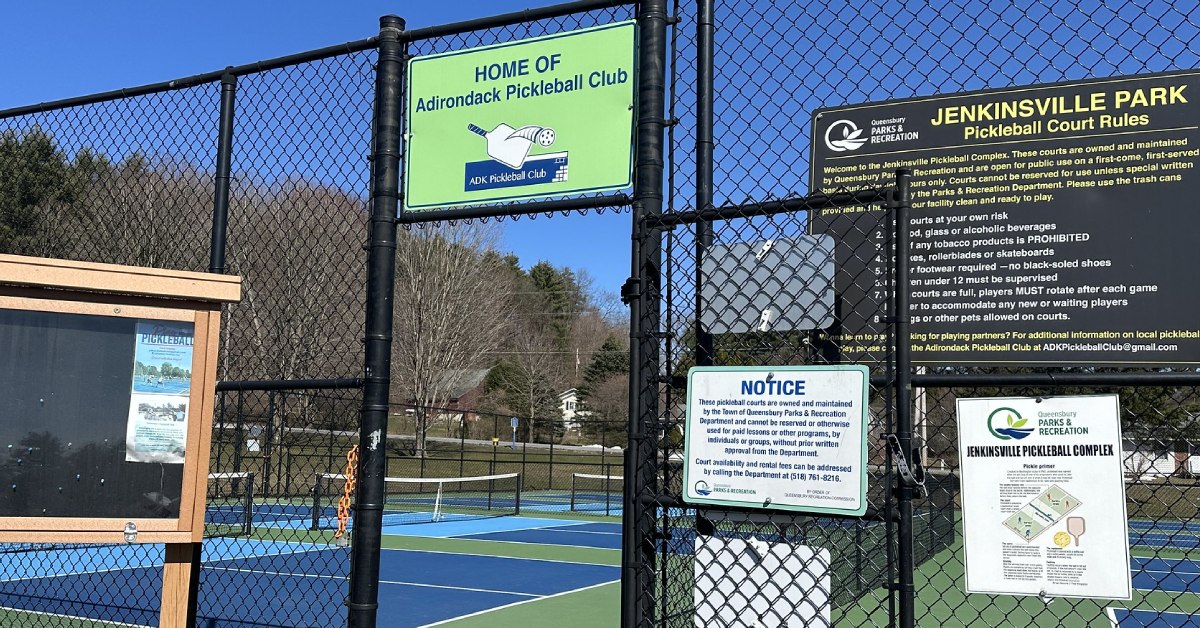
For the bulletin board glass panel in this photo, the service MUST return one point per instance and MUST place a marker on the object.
(93, 421)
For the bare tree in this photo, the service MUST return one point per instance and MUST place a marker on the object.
(450, 312)
(607, 416)
(141, 212)
(529, 379)
(294, 244)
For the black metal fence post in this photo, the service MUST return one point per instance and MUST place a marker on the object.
(239, 432)
(268, 447)
(363, 602)
(220, 218)
(642, 294)
(705, 50)
(904, 527)
(216, 264)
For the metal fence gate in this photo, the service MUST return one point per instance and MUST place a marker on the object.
(157, 175)
(739, 174)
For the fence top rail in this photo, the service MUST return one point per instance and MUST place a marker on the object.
(1049, 379)
(429, 32)
(192, 81)
(292, 384)
(509, 19)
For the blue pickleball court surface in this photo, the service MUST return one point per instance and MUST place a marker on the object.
(1166, 574)
(118, 584)
(1152, 619)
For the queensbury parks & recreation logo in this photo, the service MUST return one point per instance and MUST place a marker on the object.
(1008, 424)
(701, 488)
(843, 136)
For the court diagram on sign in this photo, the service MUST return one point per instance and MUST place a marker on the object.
(1042, 512)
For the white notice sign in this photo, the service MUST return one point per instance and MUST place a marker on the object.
(787, 437)
(1043, 497)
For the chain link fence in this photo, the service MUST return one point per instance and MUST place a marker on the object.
(774, 65)
(129, 178)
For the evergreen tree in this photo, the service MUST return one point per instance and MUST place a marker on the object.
(35, 173)
(603, 395)
(562, 299)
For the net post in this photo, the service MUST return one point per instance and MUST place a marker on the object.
(248, 506)
(573, 476)
(363, 602)
(268, 447)
(316, 504)
(239, 439)
(462, 443)
(517, 495)
(607, 493)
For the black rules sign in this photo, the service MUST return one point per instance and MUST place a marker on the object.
(1050, 224)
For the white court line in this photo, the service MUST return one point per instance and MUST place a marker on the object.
(88, 619)
(603, 549)
(541, 560)
(1112, 615)
(407, 584)
(496, 608)
(583, 532)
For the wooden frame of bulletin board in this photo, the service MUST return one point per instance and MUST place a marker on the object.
(109, 376)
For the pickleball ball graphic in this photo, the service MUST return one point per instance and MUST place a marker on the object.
(511, 146)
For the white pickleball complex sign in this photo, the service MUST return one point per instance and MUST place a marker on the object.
(1043, 496)
(787, 437)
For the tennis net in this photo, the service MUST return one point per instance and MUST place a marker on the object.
(597, 494)
(425, 500)
(230, 510)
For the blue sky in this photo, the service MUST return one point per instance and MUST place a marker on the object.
(776, 63)
(63, 49)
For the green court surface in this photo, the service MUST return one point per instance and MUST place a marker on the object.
(598, 607)
(941, 601)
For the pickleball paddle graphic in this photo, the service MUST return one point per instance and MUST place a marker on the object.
(1076, 526)
(511, 146)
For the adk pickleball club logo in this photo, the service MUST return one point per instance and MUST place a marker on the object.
(701, 488)
(1007, 424)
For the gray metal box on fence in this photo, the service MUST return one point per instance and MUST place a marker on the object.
(770, 285)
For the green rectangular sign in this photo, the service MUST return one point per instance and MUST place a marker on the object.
(547, 116)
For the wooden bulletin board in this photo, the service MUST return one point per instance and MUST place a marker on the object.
(107, 376)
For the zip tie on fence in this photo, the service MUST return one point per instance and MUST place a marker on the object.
(347, 499)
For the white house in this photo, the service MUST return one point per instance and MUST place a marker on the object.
(568, 404)
(1155, 460)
